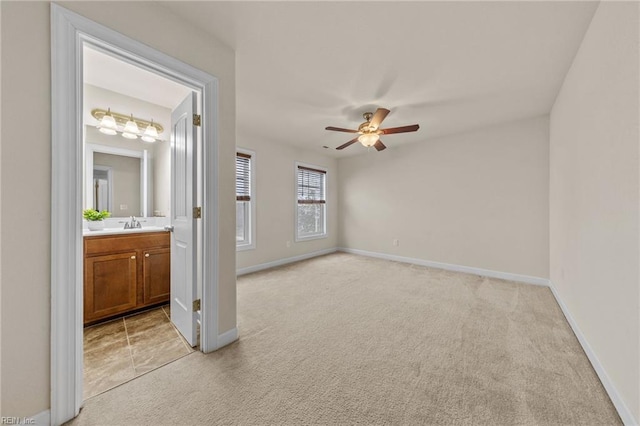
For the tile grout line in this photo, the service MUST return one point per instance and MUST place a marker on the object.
(189, 348)
(126, 332)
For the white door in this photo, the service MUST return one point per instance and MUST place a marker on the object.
(183, 238)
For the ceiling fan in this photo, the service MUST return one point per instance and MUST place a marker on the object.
(370, 131)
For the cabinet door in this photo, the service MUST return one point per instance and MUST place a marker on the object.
(109, 285)
(156, 271)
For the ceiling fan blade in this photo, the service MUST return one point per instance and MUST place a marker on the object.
(340, 129)
(379, 145)
(378, 117)
(403, 129)
(352, 141)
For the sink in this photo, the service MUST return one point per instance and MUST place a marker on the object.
(111, 231)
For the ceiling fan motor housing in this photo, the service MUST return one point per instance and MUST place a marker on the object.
(366, 126)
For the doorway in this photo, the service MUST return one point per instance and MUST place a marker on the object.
(129, 327)
(70, 34)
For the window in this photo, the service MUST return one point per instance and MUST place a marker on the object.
(311, 203)
(244, 205)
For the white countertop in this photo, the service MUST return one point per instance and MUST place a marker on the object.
(114, 231)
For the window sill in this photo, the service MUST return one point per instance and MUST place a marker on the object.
(245, 247)
(311, 237)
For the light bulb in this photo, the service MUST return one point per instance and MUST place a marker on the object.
(131, 127)
(368, 139)
(108, 124)
(129, 135)
(150, 134)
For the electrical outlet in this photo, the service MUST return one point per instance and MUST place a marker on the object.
(288, 243)
(396, 242)
(124, 207)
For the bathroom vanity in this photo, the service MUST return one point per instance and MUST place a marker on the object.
(124, 272)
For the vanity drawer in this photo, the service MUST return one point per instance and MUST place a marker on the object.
(124, 242)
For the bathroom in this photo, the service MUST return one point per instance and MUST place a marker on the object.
(128, 330)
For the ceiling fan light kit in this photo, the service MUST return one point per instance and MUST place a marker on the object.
(368, 139)
(370, 130)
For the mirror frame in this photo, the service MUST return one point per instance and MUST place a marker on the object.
(90, 149)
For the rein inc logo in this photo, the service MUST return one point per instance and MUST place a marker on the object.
(17, 421)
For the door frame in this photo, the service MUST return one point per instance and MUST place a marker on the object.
(69, 33)
(109, 171)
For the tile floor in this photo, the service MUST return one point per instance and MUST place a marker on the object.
(120, 350)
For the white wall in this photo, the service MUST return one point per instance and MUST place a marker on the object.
(477, 199)
(594, 213)
(275, 195)
(25, 175)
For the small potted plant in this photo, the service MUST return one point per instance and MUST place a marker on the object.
(95, 218)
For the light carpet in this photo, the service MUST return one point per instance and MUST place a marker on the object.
(346, 339)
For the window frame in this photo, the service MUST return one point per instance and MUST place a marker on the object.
(325, 234)
(251, 223)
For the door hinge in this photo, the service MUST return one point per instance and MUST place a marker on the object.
(197, 212)
(197, 120)
(196, 305)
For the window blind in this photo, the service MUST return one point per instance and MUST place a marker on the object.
(311, 186)
(243, 177)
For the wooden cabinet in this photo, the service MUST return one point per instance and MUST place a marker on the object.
(125, 272)
(156, 272)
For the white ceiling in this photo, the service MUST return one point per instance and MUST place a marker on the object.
(105, 71)
(448, 66)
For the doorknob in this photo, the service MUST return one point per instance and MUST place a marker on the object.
(168, 228)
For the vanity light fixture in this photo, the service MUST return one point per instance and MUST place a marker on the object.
(112, 123)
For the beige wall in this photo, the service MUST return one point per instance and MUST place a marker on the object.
(594, 214)
(26, 165)
(275, 197)
(476, 199)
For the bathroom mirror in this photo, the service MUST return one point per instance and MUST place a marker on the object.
(117, 180)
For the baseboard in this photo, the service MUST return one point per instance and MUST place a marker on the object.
(280, 262)
(40, 419)
(227, 337)
(616, 399)
(452, 267)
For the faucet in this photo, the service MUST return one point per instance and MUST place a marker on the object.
(134, 223)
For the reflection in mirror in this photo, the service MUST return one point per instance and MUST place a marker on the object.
(117, 180)
(124, 185)
(102, 183)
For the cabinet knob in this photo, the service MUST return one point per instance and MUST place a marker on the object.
(133, 257)
(146, 255)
